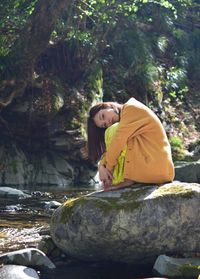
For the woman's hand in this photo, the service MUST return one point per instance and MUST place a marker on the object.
(105, 176)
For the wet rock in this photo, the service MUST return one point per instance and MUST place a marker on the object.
(130, 225)
(194, 149)
(177, 267)
(188, 171)
(46, 245)
(16, 167)
(8, 192)
(17, 272)
(38, 194)
(52, 168)
(61, 142)
(29, 257)
(52, 205)
(13, 208)
(49, 248)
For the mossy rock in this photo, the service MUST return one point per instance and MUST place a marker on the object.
(129, 225)
(176, 267)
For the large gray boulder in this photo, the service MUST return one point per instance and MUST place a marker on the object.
(188, 171)
(130, 225)
(8, 192)
(28, 256)
(17, 272)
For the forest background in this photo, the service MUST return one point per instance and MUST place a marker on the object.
(57, 58)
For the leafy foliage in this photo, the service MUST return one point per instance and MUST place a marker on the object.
(178, 149)
(14, 15)
(143, 48)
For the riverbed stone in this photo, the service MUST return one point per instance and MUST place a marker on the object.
(17, 272)
(28, 256)
(131, 225)
(52, 205)
(8, 192)
(177, 267)
(188, 171)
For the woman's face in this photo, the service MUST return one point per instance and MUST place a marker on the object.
(106, 117)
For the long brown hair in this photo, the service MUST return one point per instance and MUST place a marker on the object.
(96, 142)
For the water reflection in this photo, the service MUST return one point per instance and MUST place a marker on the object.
(24, 221)
(99, 271)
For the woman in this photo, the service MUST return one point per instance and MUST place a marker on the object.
(148, 158)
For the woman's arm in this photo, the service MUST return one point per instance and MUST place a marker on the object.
(136, 119)
(105, 175)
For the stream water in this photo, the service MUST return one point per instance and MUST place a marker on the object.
(24, 222)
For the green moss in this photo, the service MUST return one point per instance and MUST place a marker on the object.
(134, 194)
(58, 86)
(189, 270)
(127, 201)
(178, 148)
(95, 83)
(67, 208)
(174, 190)
(57, 102)
(109, 204)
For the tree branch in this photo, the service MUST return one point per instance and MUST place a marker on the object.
(32, 41)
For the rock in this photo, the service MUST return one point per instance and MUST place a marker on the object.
(49, 248)
(17, 272)
(52, 205)
(8, 192)
(50, 168)
(194, 151)
(13, 208)
(46, 245)
(130, 225)
(29, 257)
(61, 142)
(177, 267)
(15, 162)
(188, 171)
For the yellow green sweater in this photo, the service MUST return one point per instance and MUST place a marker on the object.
(118, 172)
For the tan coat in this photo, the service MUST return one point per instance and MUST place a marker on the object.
(148, 158)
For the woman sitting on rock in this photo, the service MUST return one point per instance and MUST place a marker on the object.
(148, 155)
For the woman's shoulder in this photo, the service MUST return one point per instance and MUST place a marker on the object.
(130, 101)
(134, 109)
(133, 104)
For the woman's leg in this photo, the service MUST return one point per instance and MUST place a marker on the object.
(124, 184)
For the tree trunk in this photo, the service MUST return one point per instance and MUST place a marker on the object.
(31, 43)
